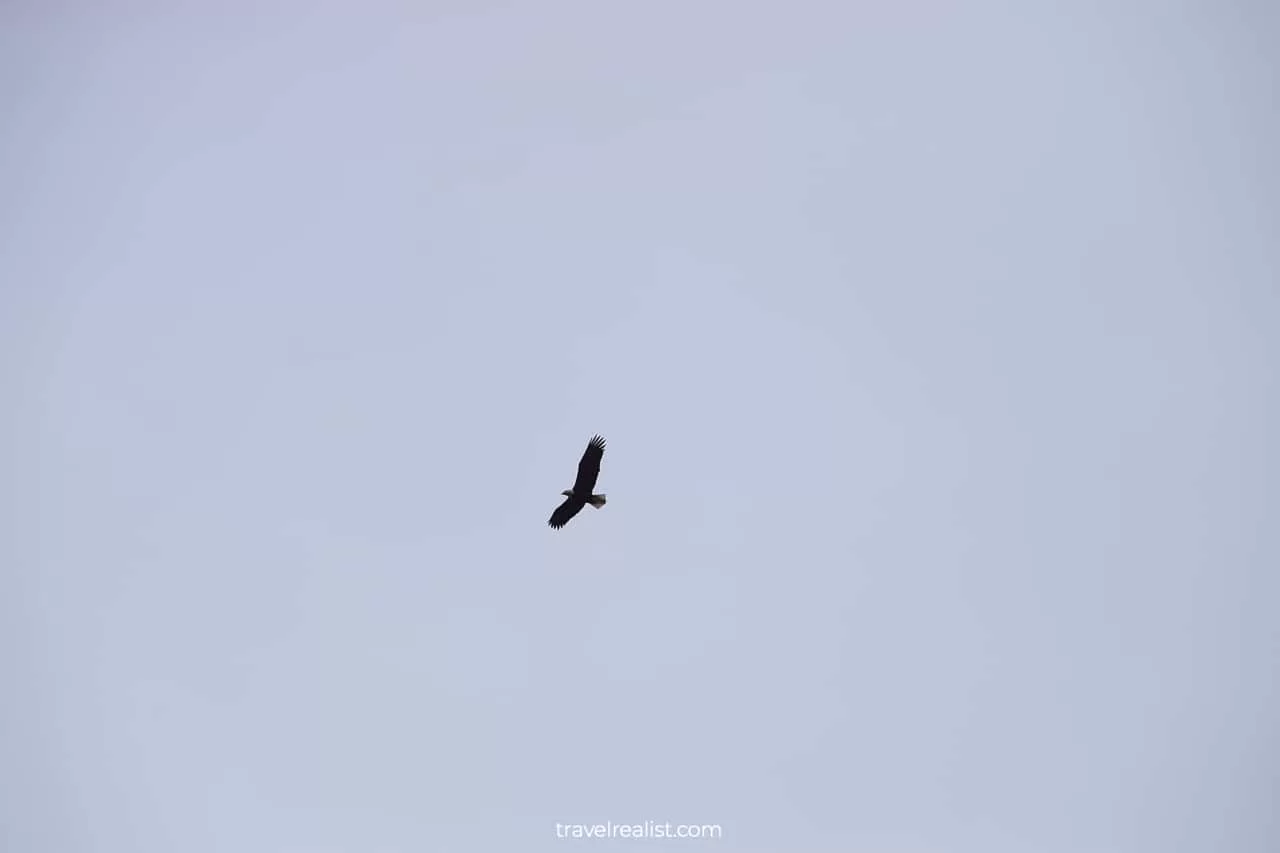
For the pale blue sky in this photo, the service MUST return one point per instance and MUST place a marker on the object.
(935, 344)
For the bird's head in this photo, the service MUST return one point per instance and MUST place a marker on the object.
(568, 493)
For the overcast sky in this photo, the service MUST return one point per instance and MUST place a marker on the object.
(935, 344)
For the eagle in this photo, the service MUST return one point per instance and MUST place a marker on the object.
(580, 495)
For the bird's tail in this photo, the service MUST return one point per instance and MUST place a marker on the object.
(596, 501)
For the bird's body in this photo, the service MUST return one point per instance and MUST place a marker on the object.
(580, 495)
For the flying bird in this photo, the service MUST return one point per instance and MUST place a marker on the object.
(580, 495)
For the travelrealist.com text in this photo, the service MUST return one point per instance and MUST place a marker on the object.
(648, 829)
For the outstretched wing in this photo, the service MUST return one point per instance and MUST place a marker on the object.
(589, 467)
(566, 511)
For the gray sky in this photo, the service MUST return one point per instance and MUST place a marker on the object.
(935, 347)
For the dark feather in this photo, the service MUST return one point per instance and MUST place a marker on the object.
(566, 511)
(589, 467)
